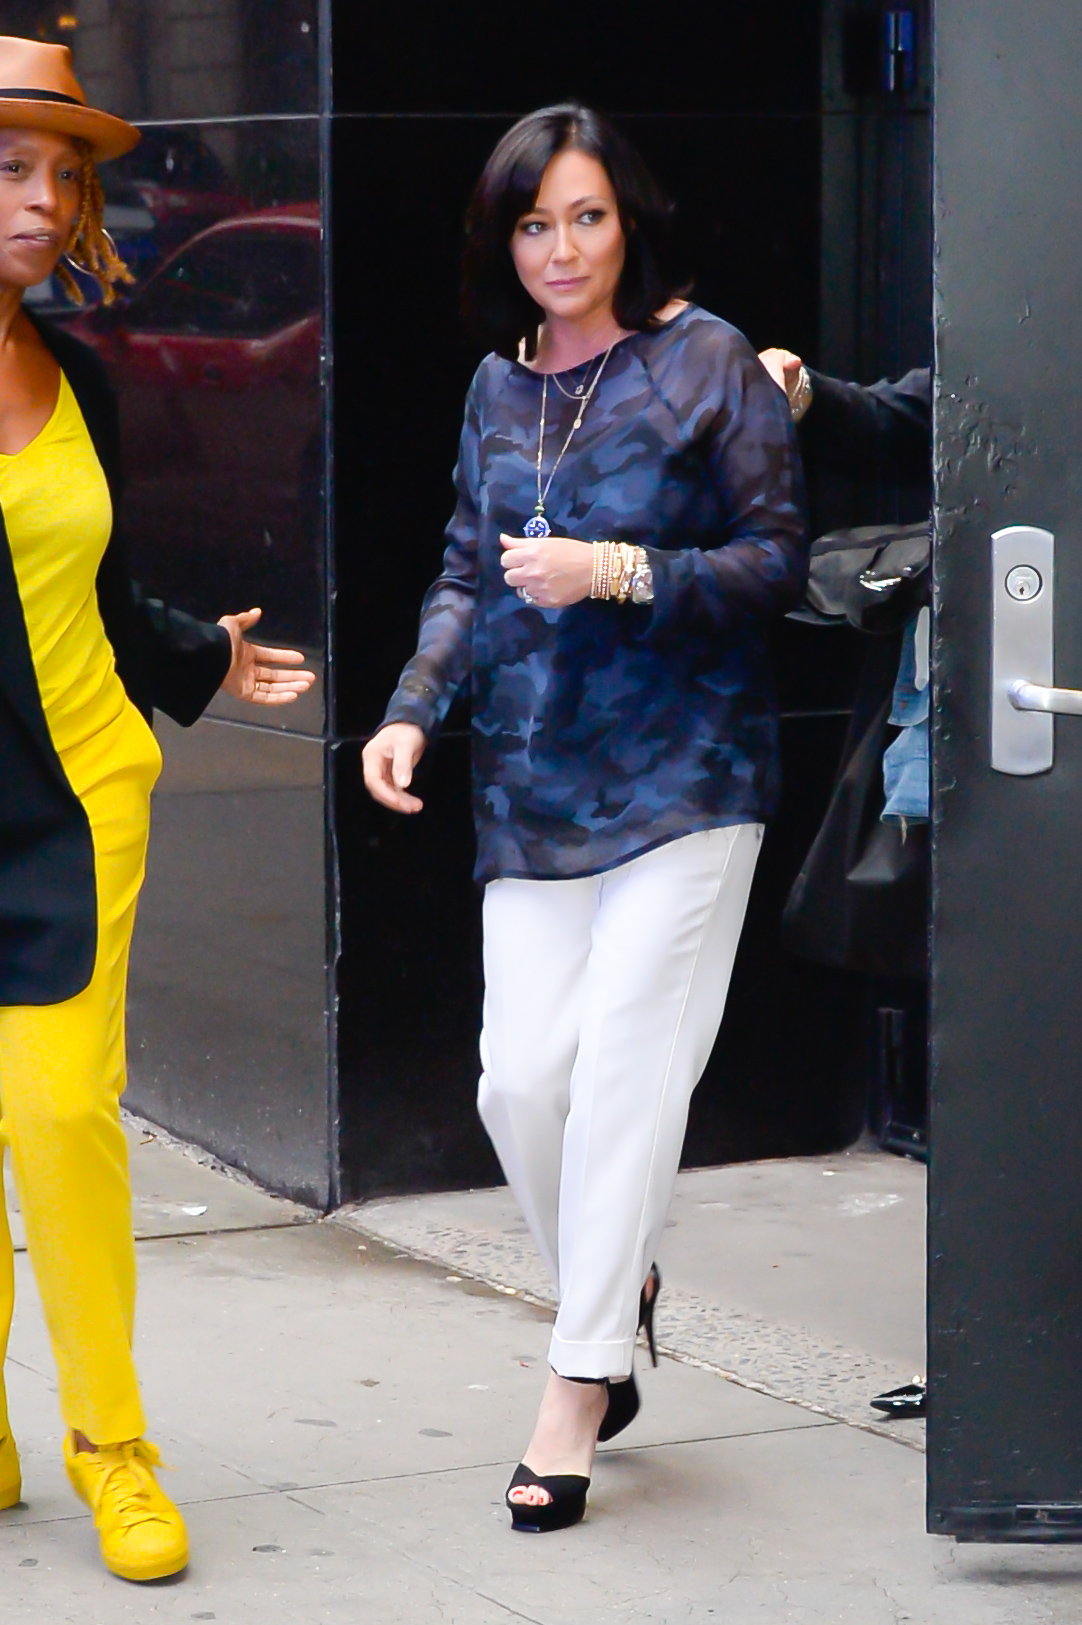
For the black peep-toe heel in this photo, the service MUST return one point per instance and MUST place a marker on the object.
(647, 1305)
(622, 1410)
(568, 1503)
(624, 1401)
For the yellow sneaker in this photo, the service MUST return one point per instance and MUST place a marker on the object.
(141, 1532)
(11, 1483)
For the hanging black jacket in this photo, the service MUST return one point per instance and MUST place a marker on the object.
(860, 899)
(165, 659)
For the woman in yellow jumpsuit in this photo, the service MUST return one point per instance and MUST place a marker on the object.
(78, 762)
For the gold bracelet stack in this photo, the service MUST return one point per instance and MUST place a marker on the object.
(621, 571)
(601, 576)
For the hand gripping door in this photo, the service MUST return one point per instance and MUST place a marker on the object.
(1023, 606)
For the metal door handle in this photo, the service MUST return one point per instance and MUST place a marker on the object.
(1064, 702)
(1023, 699)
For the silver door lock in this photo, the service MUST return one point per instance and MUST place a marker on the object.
(1023, 700)
(1023, 582)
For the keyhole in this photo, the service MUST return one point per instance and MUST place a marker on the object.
(1023, 583)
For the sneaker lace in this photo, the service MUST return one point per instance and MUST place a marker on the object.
(127, 1481)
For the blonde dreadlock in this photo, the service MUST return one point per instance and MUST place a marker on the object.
(91, 247)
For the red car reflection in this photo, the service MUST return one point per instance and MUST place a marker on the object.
(180, 179)
(216, 365)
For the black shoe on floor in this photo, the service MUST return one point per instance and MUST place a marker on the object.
(909, 1400)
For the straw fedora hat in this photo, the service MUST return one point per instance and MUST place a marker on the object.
(39, 91)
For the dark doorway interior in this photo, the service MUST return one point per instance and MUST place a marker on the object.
(791, 178)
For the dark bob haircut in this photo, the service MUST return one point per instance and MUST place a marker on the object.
(496, 306)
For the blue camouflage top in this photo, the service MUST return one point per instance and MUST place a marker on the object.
(604, 729)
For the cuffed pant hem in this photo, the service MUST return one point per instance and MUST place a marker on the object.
(591, 1360)
(603, 996)
(119, 1427)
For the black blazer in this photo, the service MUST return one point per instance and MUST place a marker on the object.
(48, 904)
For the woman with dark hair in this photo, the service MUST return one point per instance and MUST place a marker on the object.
(629, 518)
(84, 659)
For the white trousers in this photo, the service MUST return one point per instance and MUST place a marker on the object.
(603, 997)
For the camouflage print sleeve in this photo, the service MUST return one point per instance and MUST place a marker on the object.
(441, 664)
(759, 570)
(600, 730)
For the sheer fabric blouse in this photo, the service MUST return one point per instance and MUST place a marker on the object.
(604, 729)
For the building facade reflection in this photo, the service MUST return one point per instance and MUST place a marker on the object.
(190, 59)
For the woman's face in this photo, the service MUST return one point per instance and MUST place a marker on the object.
(40, 194)
(569, 249)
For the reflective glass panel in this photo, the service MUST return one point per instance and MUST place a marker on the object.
(146, 59)
(214, 352)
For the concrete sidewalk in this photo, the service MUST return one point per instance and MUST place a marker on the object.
(343, 1415)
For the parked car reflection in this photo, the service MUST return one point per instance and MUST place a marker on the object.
(180, 179)
(216, 365)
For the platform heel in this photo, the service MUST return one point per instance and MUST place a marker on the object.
(565, 1508)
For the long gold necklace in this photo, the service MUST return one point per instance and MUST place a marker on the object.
(539, 525)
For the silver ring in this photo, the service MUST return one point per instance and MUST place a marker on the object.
(524, 595)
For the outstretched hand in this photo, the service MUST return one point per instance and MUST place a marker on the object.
(254, 673)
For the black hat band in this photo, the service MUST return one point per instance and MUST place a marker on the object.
(39, 96)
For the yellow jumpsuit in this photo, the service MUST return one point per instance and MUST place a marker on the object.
(62, 1066)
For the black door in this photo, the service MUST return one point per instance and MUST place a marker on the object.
(1005, 1245)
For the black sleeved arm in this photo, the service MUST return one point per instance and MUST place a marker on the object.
(167, 660)
(882, 430)
(187, 659)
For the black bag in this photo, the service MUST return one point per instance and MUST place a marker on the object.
(875, 577)
(860, 901)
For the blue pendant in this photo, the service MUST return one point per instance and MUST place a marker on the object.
(537, 526)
